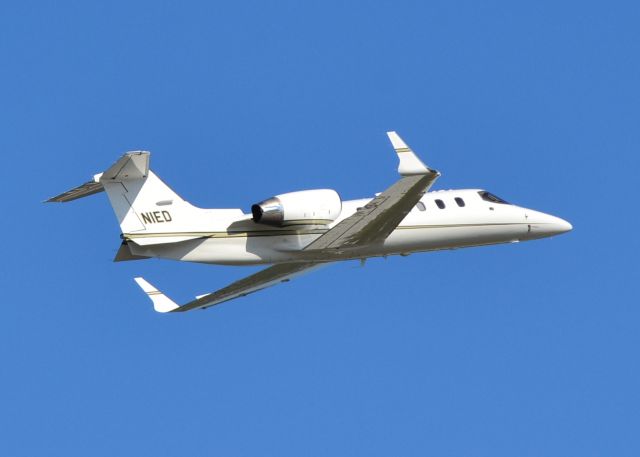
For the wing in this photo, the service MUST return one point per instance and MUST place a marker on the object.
(377, 219)
(265, 278)
(371, 223)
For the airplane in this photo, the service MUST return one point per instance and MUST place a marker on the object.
(300, 231)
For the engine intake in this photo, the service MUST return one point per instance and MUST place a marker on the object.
(307, 207)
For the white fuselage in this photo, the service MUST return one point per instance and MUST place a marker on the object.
(237, 240)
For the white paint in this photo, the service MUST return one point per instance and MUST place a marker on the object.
(181, 231)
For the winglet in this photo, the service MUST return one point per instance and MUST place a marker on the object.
(409, 164)
(161, 303)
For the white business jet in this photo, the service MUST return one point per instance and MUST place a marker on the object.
(299, 231)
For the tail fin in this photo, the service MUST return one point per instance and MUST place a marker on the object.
(141, 201)
(138, 195)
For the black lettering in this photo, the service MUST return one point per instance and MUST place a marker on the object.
(156, 217)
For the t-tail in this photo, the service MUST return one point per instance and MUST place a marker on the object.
(149, 212)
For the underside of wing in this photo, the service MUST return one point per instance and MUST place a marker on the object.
(375, 221)
(265, 278)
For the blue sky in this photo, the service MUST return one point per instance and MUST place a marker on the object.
(526, 350)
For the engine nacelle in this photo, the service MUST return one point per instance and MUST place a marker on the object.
(307, 207)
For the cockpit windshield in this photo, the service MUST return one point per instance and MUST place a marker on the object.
(488, 196)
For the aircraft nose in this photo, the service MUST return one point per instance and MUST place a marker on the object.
(562, 226)
(543, 225)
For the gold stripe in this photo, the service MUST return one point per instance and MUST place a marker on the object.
(403, 227)
(403, 150)
(223, 234)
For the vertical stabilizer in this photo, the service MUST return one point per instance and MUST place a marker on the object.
(141, 200)
(149, 212)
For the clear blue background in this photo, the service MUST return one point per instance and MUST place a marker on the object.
(518, 350)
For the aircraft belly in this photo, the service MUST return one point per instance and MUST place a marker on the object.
(422, 238)
(233, 250)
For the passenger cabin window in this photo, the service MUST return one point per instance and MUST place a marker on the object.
(440, 204)
(459, 201)
(488, 196)
(421, 206)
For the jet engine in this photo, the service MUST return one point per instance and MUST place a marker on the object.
(306, 207)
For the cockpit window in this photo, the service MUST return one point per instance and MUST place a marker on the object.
(488, 196)
(421, 206)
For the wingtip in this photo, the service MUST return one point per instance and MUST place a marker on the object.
(396, 141)
(161, 303)
(410, 163)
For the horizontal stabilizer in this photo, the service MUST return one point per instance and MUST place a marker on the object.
(161, 303)
(86, 189)
(132, 165)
